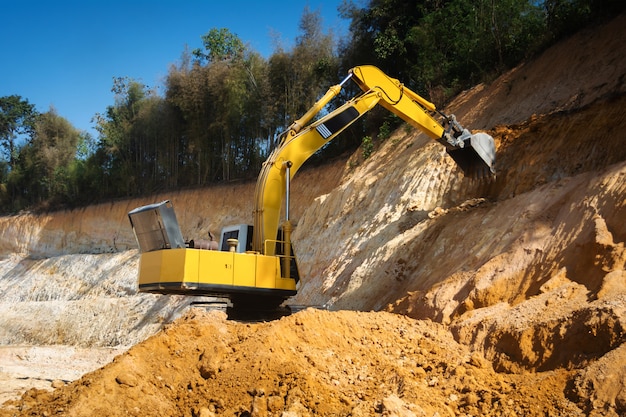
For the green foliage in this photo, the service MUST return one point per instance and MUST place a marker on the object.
(299, 77)
(367, 147)
(444, 45)
(220, 45)
(54, 148)
(385, 130)
(17, 117)
(223, 115)
(224, 106)
(41, 175)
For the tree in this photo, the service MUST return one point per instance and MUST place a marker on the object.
(17, 117)
(437, 45)
(125, 146)
(378, 33)
(220, 45)
(299, 77)
(55, 145)
(188, 93)
(220, 99)
(42, 174)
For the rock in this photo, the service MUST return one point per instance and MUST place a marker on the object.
(126, 378)
(57, 383)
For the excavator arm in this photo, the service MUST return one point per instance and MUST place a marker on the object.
(472, 152)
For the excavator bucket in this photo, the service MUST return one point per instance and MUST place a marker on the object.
(477, 157)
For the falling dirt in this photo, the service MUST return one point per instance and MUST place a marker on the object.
(441, 296)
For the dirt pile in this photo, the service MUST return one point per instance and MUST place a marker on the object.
(311, 363)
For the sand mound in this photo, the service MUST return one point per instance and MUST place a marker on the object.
(311, 363)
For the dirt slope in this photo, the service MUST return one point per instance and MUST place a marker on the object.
(510, 296)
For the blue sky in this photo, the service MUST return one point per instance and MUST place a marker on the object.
(65, 53)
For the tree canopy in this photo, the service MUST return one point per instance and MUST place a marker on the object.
(224, 105)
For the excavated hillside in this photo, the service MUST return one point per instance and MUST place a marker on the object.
(443, 295)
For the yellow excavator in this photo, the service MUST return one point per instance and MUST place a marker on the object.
(255, 266)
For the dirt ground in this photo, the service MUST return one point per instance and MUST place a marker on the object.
(310, 363)
(444, 296)
(45, 367)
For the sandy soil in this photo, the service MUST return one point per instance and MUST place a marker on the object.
(310, 363)
(47, 367)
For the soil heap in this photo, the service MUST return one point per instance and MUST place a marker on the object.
(311, 363)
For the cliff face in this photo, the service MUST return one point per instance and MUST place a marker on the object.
(528, 269)
(407, 221)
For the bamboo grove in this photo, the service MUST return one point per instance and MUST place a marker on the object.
(223, 105)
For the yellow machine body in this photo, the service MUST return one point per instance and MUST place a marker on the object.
(212, 272)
